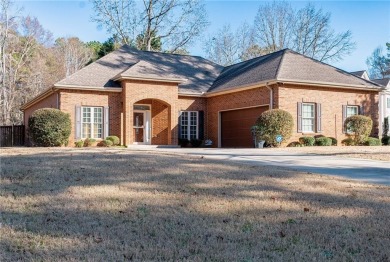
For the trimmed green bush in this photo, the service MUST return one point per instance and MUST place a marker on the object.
(295, 144)
(272, 123)
(386, 140)
(114, 139)
(307, 140)
(79, 143)
(49, 127)
(348, 142)
(334, 141)
(196, 142)
(359, 128)
(323, 141)
(105, 143)
(89, 141)
(373, 141)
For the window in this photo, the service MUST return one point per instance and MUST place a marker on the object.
(92, 122)
(189, 125)
(388, 103)
(352, 111)
(308, 117)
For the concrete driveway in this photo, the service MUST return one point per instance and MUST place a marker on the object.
(371, 171)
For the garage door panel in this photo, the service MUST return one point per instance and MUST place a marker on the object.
(236, 125)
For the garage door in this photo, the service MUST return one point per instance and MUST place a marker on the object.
(236, 126)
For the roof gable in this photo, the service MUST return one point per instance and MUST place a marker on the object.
(297, 67)
(197, 74)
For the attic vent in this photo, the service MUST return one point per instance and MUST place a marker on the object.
(207, 73)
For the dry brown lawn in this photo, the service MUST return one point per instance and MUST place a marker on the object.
(365, 152)
(119, 205)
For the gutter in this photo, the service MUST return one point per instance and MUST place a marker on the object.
(271, 96)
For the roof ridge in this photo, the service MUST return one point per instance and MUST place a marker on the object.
(280, 63)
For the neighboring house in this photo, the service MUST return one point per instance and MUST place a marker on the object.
(362, 74)
(157, 98)
(384, 100)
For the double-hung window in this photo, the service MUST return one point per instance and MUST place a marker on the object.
(189, 125)
(308, 117)
(92, 122)
(352, 111)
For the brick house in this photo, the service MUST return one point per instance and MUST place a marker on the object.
(156, 98)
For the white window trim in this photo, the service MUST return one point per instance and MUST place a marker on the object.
(92, 121)
(314, 119)
(188, 124)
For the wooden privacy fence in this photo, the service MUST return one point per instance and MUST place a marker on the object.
(11, 136)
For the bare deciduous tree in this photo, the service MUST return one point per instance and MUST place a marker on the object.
(307, 31)
(378, 64)
(176, 23)
(75, 54)
(313, 36)
(272, 25)
(227, 47)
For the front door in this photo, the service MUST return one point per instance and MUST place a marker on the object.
(141, 127)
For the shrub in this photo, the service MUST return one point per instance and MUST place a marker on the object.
(386, 127)
(183, 142)
(79, 143)
(105, 143)
(196, 142)
(88, 142)
(372, 141)
(272, 123)
(323, 141)
(114, 139)
(49, 127)
(307, 140)
(294, 144)
(386, 140)
(348, 142)
(359, 128)
(334, 141)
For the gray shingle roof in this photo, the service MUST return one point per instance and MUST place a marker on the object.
(383, 82)
(198, 73)
(201, 75)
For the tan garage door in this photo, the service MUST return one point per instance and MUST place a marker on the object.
(236, 125)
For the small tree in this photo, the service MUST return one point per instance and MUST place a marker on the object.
(358, 127)
(49, 127)
(272, 123)
(386, 127)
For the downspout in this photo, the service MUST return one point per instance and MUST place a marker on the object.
(271, 95)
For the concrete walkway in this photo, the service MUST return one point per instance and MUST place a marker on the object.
(371, 171)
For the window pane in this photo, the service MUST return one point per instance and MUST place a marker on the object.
(308, 125)
(193, 132)
(97, 130)
(307, 110)
(388, 103)
(352, 110)
(86, 130)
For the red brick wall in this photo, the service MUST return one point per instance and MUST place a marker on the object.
(332, 100)
(166, 93)
(242, 99)
(71, 98)
(48, 102)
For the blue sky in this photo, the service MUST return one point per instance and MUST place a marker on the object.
(369, 21)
